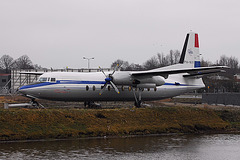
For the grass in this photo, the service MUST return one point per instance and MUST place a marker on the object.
(16, 124)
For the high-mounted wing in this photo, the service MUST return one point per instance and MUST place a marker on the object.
(190, 71)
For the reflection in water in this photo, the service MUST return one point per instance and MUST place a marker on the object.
(218, 146)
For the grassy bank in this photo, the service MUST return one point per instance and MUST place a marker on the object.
(16, 124)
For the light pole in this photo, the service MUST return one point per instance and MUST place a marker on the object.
(88, 60)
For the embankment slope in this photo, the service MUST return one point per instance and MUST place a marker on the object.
(22, 124)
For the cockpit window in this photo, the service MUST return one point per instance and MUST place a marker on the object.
(43, 79)
(46, 79)
(53, 79)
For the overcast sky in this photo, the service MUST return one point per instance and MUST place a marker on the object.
(59, 33)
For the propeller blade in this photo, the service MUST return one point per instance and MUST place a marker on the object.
(108, 80)
(115, 68)
(103, 89)
(115, 87)
(102, 71)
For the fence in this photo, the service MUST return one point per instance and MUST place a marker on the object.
(221, 98)
(17, 79)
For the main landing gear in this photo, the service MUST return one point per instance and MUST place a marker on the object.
(138, 100)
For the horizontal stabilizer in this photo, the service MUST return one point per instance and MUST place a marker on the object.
(199, 74)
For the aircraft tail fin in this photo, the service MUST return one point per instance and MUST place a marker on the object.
(190, 52)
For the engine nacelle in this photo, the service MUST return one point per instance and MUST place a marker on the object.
(122, 78)
(125, 78)
(157, 80)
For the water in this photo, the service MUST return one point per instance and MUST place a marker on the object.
(192, 147)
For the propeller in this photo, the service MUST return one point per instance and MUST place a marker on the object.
(109, 80)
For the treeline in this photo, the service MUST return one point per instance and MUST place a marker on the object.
(162, 60)
(159, 60)
(221, 82)
(7, 63)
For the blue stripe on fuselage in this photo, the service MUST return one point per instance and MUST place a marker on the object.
(176, 84)
(60, 82)
(36, 85)
(78, 82)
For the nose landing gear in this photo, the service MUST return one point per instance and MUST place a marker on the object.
(34, 103)
(91, 104)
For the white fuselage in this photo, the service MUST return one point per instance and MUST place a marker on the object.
(77, 86)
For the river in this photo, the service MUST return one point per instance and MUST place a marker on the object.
(172, 147)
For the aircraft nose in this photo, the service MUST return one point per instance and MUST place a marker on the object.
(21, 90)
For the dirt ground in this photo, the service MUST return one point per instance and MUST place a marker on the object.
(161, 103)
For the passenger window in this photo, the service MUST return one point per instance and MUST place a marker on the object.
(87, 88)
(94, 88)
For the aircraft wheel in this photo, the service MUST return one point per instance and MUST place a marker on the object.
(138, 104)
(34, 103)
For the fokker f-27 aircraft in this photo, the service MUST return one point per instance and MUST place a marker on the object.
(135, 86)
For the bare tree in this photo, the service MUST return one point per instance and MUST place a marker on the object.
(24, 62)
(151, 63)
(233, 63)
(223, 60)
(163, 60)
(6, 62)
(176, 56)
(171, 57)
(134, 67)
(205, 63)
(123, 64)
(36, 66)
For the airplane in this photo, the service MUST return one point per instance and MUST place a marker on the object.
(138, 86)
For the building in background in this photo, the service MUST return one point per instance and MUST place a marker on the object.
(4, 82)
